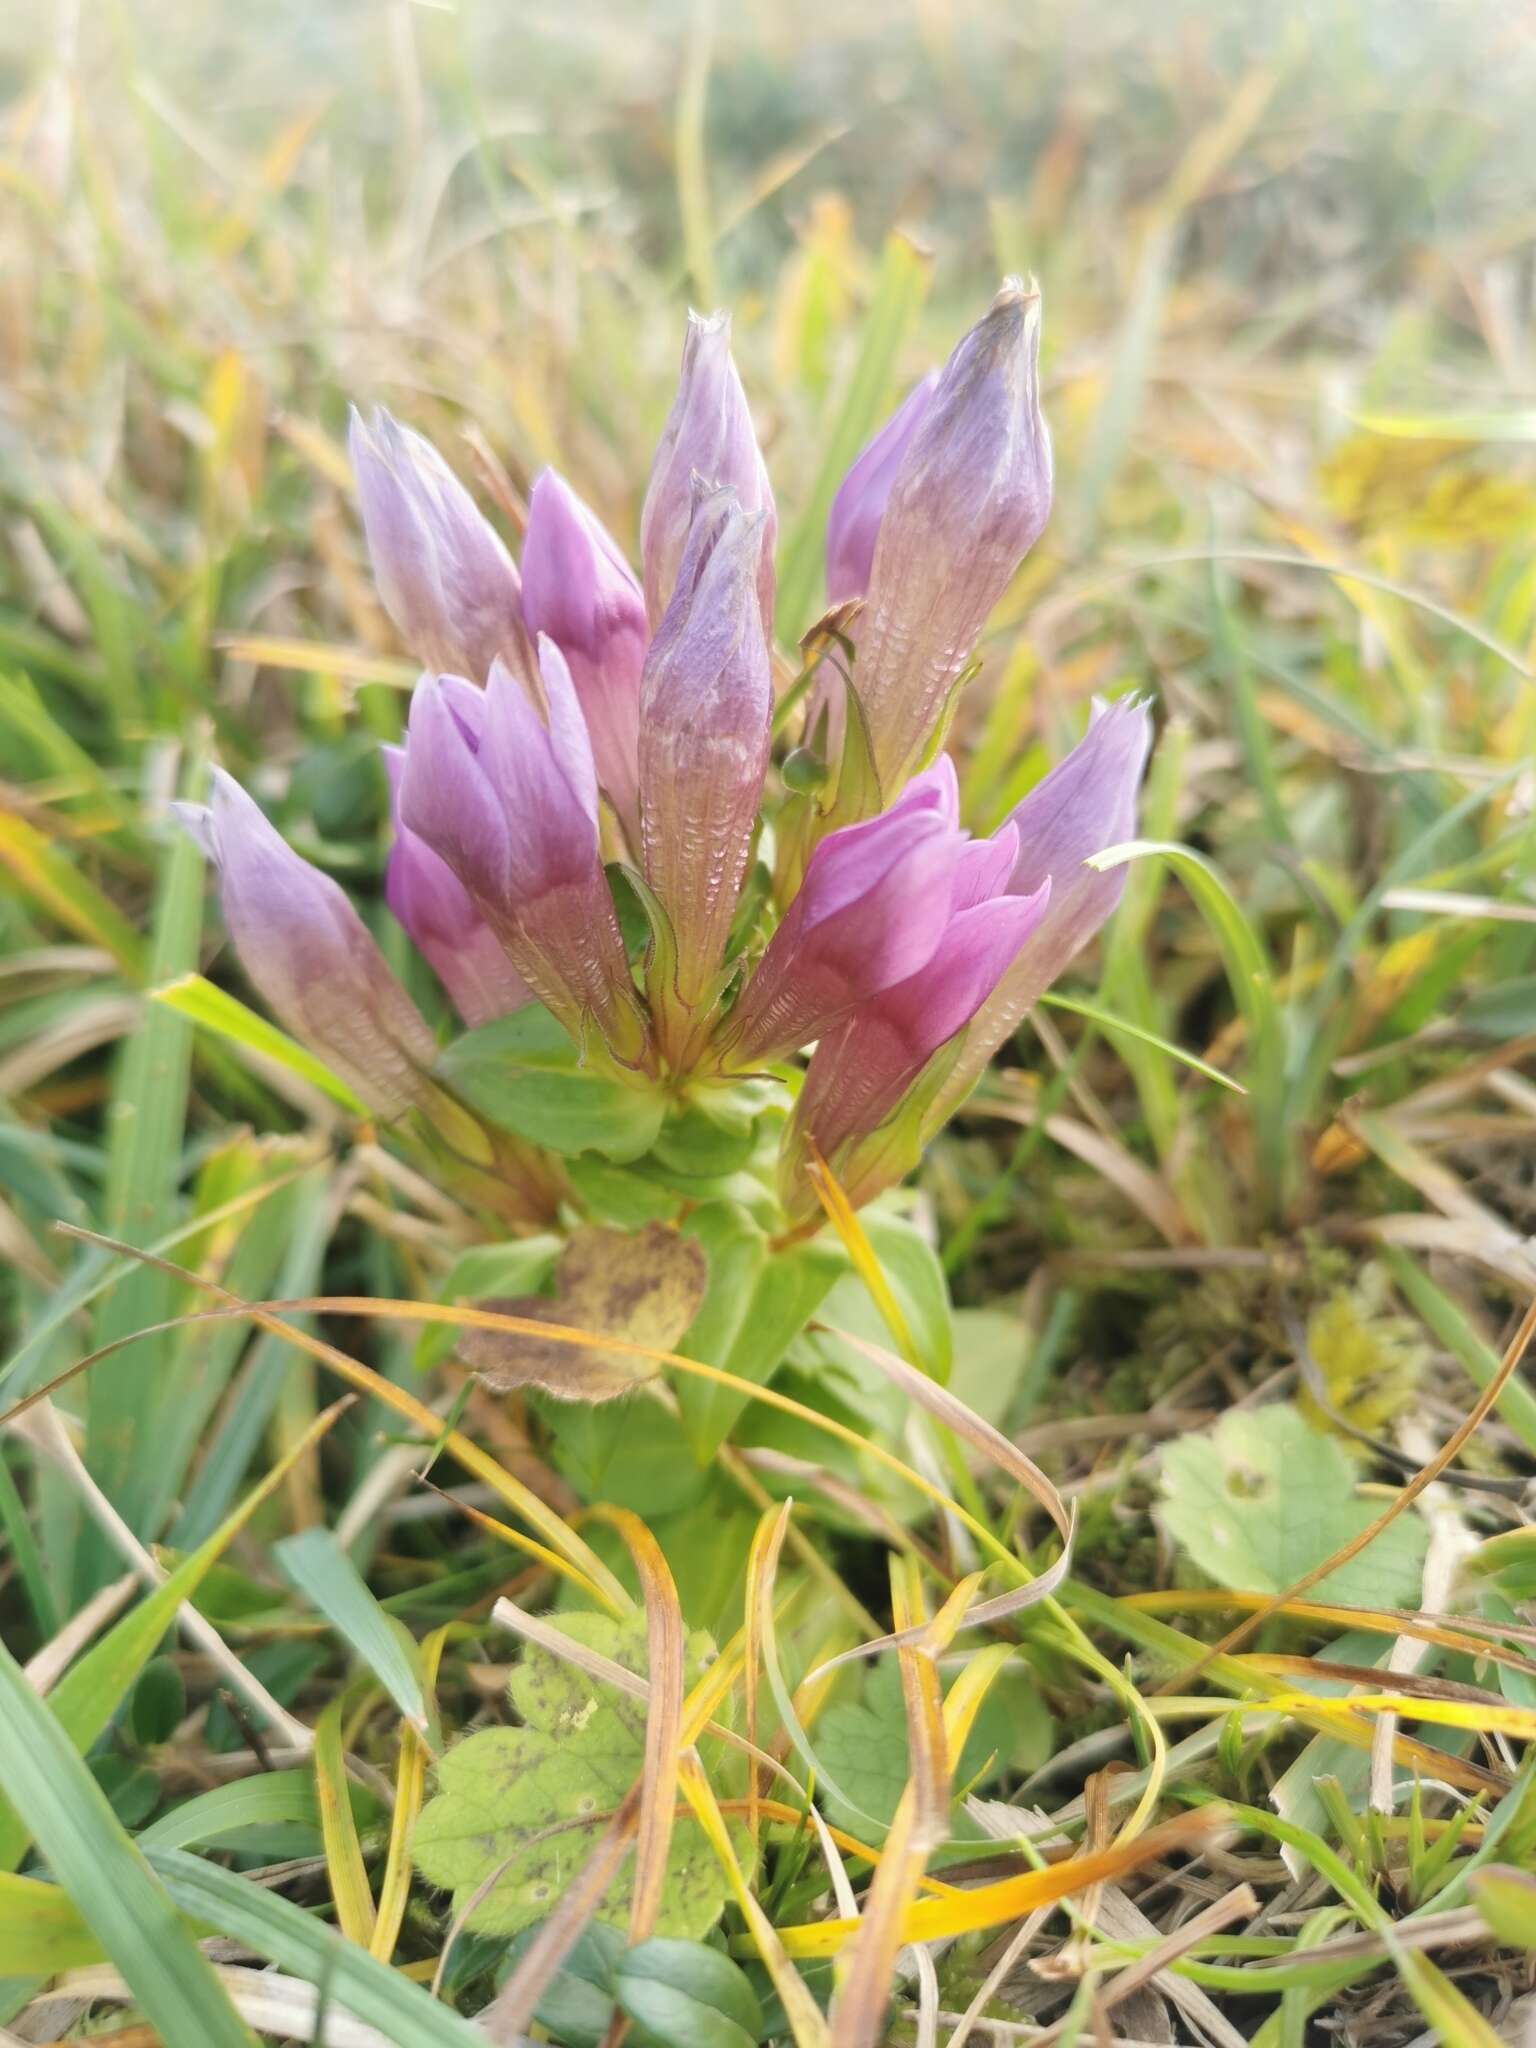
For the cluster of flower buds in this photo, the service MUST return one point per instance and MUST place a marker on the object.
(573, 710)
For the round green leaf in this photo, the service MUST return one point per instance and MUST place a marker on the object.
(688, 1995)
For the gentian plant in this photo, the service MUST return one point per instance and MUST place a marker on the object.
(714, 927)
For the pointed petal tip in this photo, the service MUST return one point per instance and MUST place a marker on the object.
(1017, 291)
(708, 325)
(196, 820)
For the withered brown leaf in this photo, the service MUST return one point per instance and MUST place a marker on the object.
(645, 1287)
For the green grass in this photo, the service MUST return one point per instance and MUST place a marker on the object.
(1285, 270)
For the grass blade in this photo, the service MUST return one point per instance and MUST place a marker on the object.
(92, 1858)
(338, 1831)
(214, 1009)
(322, 1571)
(88, 1695)
(307, 1948)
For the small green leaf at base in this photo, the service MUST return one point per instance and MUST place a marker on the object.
(688, 1995)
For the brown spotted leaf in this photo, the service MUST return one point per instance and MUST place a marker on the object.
(645, 1287)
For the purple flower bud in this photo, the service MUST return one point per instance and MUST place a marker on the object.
(446, 579)
(509, 802)
(442, 923)
(1085, 804)
(706, 703)
(969, 499)
(579, 589)
(853, 524)
(708, 434)
(858, 1076)
(311, 956)
(874, 904)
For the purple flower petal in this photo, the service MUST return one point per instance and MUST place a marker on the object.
(435, 911)
(310, 955)
(706, 704)
(515, 819)
(970, 497)
(872, 907)
(1085, 804)
(709, 435)
(858, 1078)
(578, 589)
(853, 524)
(446, 579)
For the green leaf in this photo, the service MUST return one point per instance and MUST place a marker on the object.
(1263, 1499)
(305, 1947)
(916, 1277)
(523, 1806)
(688, 1995)
(863, 1741)
(1506, 1010)
(1252, 981)
(756, 1305)
(1515, 1402)
(991, 1352)
(41, 1931)
(526, 1073)
(106, 1877)
(157, 1702)
(317, 1565)
(712, 1138)
(611, 1195)
(1107, 1021)
(632, 1454)
(214, 1009)
(218, 1817)
(132, 1400)
(577, 2008)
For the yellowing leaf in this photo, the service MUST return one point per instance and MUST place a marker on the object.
(519, 1809)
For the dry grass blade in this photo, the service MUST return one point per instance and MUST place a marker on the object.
(954, 1414)
(757, 1602)
(562, 1539)
(1467, 1634)
(1426, 1477)
(806, 2023)
(410, 1789)
(46, 1666)
(844, 1220)
(918, 1826)
(348, 1873)
(516, 1540)
(663, 1722)
(1240, 1904)
(995, 1905)
(980, 1616)
(697, 1708)
(511, 2012)
(52, 1438)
